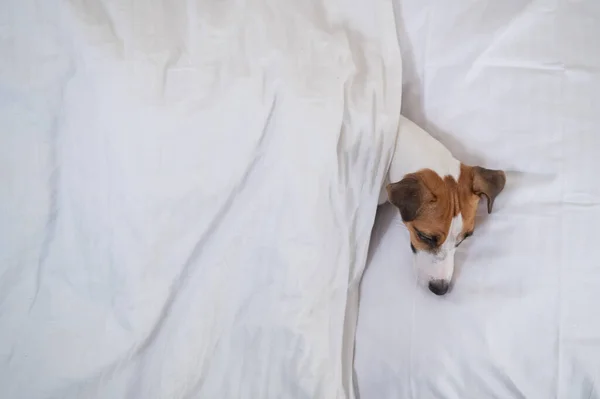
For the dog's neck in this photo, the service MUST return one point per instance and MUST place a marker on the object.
(416, 150)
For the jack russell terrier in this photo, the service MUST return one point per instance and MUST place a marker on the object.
(437, 196)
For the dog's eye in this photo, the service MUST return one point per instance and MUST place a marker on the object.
(467, 235)
(427, 239)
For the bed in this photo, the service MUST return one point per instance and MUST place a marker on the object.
(188, 199)
(513, 85)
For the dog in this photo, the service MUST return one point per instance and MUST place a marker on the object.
(437, 197)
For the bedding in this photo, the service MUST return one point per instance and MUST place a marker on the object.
(187, 191)
(512, 85)
(188, 195)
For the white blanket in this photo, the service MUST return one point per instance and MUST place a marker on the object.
(187, 191)
(512, 84)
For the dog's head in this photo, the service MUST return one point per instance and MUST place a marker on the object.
(439, 213)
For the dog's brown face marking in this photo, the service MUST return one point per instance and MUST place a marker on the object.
(428, 202)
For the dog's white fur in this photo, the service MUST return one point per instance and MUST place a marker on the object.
(416, 150)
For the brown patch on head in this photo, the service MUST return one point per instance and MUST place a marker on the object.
(428, 202)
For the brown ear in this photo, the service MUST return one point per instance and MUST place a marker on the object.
(489, 183)
(408, 195)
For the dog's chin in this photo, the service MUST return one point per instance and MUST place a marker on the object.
(422, 277)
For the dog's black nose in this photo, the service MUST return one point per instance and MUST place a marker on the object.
(439, 287)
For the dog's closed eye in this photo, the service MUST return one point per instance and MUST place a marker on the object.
(432, 241)
(467, 235)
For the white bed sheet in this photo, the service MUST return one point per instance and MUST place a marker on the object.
(515, 85)
(187, 191)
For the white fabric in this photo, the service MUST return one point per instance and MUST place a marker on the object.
(187, 191)
(509, 84)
